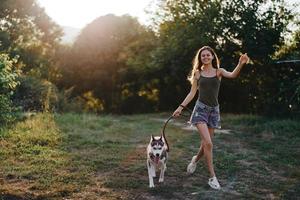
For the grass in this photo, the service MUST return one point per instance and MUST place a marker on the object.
(83, 156)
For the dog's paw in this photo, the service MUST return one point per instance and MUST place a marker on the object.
(151, 186)
(161, 180)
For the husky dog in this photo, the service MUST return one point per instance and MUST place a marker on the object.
(157, 155)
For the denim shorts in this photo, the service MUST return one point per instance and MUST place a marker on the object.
(203, 113)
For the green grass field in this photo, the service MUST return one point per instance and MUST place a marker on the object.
(82, 156)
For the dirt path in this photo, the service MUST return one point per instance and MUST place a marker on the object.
(100, 159)
(246, 170)
(242, 172)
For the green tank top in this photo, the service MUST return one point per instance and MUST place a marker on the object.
(209, 90)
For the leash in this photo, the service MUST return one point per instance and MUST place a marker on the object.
(189, 110)
(167, 121)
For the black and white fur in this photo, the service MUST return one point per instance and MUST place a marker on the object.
(157, 155)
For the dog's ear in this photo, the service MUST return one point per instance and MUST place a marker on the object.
(152, 138)
(161, 136)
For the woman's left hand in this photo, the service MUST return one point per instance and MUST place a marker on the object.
(244, 59)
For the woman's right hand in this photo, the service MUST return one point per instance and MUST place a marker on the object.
(177, 112)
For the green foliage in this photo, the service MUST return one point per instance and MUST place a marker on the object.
(8, 83)
(230, 27)
(78, 104)
(282, 92)
(118, 65)
(8, 74)
(65, 103)
(29, 34)
(92, 104)
(105, 61)
(291, 49)
(131, 68)
(6, 115)
(34, 94)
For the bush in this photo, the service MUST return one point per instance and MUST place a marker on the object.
(281, 92)
(6, 115)
(68, 104)
(8, 83)
(87, 102)
(34, 94)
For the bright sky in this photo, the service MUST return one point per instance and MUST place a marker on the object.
(78, 13)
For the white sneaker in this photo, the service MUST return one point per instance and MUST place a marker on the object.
(192, 166)
(214, 183)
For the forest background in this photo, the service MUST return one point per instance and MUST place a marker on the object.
(117, 65)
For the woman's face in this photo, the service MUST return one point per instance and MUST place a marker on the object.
(206, 57)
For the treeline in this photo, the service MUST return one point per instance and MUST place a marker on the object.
(118, 65)
(29, 40)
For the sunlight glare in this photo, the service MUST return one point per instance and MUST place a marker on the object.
(78, 13)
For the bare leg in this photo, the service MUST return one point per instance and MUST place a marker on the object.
(201, 152)
(207, 146)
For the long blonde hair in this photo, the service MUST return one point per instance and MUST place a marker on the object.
(197, 63)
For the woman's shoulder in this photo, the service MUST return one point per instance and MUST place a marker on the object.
(197, 74)
(219, 72)
(221, 69)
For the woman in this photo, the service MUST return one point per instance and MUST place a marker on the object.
(206, 77)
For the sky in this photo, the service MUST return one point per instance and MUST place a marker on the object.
(78, 13)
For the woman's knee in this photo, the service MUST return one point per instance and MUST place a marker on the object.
(207, 144)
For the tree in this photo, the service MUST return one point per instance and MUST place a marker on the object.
(28, 33)
(230, 27)
(139, 88)
(99, 59)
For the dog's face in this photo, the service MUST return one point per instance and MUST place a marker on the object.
(157, 147)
